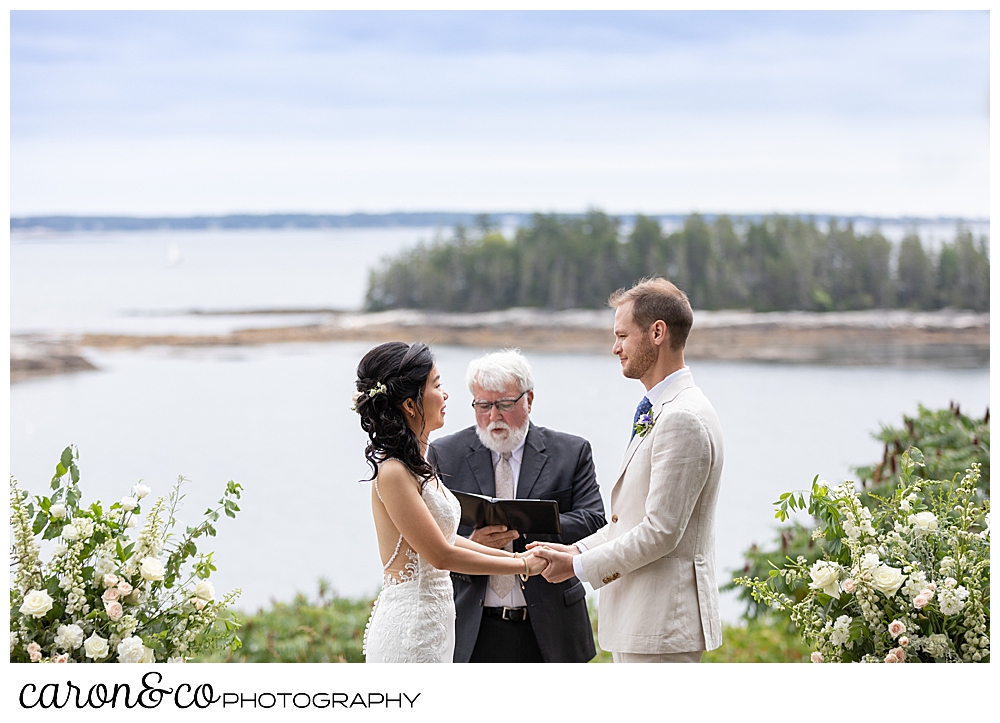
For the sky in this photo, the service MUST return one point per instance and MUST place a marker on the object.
(181, 113)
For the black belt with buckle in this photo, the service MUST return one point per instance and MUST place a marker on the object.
(516, 615)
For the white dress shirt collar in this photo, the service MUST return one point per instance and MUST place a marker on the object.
(653, 394)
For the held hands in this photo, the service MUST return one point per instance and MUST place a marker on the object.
(535, 563)
(559, 557)
(495, 536)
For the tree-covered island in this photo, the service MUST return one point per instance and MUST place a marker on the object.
(778, 263)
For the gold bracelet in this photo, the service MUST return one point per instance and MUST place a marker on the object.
(527, 572)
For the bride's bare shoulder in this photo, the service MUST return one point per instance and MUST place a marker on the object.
(394, 473)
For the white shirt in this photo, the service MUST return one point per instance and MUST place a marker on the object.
(515, 598)
(652, 395)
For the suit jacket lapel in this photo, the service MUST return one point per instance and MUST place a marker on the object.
(668, 395)
(481, 462)
(532, 461)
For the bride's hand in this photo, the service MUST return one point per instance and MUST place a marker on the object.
(535, 564)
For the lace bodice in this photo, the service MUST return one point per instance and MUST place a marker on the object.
(446, 511)
(413, 619)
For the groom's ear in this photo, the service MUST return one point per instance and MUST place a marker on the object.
(659, 333)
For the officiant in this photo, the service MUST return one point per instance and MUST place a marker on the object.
(501, 619)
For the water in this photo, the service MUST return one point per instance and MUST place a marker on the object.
(141, 283)
(276, 419)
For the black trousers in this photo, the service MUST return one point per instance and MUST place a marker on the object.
(505, 641)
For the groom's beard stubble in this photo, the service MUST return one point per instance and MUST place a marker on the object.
(640, 361)
(509, 443)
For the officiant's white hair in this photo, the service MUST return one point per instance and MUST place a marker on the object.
(493, 372)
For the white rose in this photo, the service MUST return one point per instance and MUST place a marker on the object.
(924, 521)
(69, 637)
(870, 561)
(205, 590)
(147, 655)
(36, 603)
(70, 532)
(198, 603)
(129, 503)
(824, 577)
(151, 569)
(58, 511)
(140, 491)
(110, 580)
(96, 647)
(131, 650)
(887, 580)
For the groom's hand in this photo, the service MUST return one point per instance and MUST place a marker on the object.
(496, 536)
(560, 566)
(568, 549)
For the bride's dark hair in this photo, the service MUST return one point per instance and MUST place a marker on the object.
(387, 376)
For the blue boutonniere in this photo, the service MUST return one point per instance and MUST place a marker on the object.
(644, 424)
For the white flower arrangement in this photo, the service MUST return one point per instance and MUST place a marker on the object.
(104, 597)
(906, 581)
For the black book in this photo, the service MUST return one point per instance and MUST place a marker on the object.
(538, 517)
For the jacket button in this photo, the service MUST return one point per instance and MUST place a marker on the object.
(614, 518)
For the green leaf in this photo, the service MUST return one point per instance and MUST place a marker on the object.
(74, 473)
(60, 470)
(67, 458)
(41, 520)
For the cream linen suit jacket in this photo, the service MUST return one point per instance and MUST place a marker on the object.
(654, 562)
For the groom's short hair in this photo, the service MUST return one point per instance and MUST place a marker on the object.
(493, 372)
(656, 299)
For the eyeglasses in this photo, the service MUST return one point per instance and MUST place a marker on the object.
(502, 405)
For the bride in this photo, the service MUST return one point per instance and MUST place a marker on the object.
(401, 401)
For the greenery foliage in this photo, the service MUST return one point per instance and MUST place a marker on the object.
(329, 630)
(106, 595)
(952, 442)
(904, 580)
(778, 263)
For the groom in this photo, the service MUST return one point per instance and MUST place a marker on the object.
(655, 561)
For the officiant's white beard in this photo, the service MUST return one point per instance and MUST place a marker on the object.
(508, 443)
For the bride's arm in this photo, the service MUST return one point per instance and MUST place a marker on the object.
(471, 545)
(401, 497)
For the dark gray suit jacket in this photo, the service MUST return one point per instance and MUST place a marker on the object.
(555, 466)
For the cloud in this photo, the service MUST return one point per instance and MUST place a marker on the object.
(560, 93)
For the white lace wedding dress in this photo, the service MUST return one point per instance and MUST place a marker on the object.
(413, 620)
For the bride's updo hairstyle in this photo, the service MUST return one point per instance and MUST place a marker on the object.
(387, 376)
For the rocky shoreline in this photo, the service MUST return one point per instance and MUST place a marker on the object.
(950, 339)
